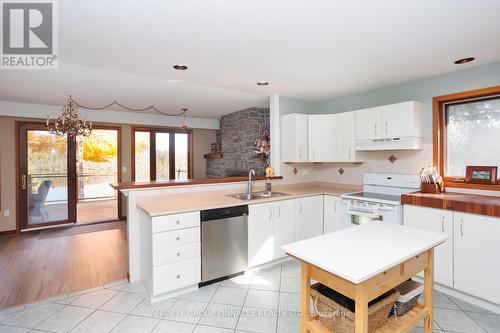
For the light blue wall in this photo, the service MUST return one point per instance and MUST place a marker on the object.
(421, 90)
(291, 105)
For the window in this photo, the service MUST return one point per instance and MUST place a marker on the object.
(466, 132)
(161, 154)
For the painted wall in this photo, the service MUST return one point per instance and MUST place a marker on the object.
(422, 90)
(202, 138)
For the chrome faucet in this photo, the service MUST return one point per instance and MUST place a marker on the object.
(251, 180)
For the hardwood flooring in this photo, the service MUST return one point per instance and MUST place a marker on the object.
(33, 269)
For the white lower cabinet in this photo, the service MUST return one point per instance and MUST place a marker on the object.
(309, 217)
(477, 255)
(260, 234)
(468, 260)
(284, 225)
(173, 247)
(331, 213)
(436, 220)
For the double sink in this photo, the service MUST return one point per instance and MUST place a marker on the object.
(256, 195)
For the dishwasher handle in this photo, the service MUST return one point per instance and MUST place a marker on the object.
(223, 213)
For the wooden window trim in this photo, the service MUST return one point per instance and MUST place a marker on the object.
(439, 133)
(152, 152)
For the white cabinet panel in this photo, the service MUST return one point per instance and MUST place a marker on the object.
(368, 124)
(402, 120)
(331, 213)
(294, 138)
(176, 221)
(309, 217)
(477, 254)
(174, 238)
(175, 276)
(321, 138)
(178, 253)
(284, 225)
(345, 139)
(260, 234)
(436, 220)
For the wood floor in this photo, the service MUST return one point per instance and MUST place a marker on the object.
(33, 269)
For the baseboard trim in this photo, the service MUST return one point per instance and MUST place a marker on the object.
(7, 232)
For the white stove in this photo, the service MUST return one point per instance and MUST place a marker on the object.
(380, 200)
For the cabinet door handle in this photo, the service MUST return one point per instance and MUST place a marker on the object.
(177, 222)
(178, 276)
(279, 211)
(375, 127)
(335, 205)
(270, 212)
(300, 207)
(350, 156)
(386, 131)
(178, 254)
(314, 150)
(300, 153)
(178, 239)
(23, 182)
(462, 227)
(442, 224)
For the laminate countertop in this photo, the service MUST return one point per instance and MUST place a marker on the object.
(188, 202)
(384, 246)
(460, 202)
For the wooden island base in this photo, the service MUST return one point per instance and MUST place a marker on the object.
(370, 289)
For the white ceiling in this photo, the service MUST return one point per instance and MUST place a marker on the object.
(307, 49)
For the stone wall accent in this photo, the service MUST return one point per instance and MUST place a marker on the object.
(239, 130)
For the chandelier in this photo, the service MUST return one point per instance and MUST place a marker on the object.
(69, 122)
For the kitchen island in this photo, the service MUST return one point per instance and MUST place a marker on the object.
(365, 262)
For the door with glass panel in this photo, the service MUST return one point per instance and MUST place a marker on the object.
(46, 177)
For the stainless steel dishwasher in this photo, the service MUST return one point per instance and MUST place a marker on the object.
(224, 243)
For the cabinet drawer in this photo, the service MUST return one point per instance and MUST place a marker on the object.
(176, 221)
(177, 275)
(175, 254)
(175, 238)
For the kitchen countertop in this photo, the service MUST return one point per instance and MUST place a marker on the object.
(189, 202)
(460, 202)
(384, 245)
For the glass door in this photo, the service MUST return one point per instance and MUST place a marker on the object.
(96, 167)
(46, 183)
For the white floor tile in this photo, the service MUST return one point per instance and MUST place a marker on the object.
(221, 315)
(33, 316)
(489, 322)
(289, 302)
(262, 299)
(290, 285)
(136, 324)
(99, 322)
(210, 329)
(257, 320)
(466, 306)
(13, 329)
(65, 320)
(456, 321)
(167, 326)
(274, 270)
(290, 269)
(262, 282)
(10, 312)
(134, 287)
(95, 299)
(232, 296)
(203, 294)
(186, 311)
(66, 301)
(242, 281)
(123, 302)
(289, 324)
(156, 310)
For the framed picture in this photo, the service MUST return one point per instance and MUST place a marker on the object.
(481, 174)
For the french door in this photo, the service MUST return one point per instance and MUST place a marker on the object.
(66, 180)
(47, 192)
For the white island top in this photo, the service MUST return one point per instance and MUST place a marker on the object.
(361, 252)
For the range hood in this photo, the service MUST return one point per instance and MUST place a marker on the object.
(404, 143)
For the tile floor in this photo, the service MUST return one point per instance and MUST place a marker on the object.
(244, 304)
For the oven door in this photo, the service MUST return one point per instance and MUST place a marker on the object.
(386, 214)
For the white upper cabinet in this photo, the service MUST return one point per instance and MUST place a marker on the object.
(322, 138)
(294, 138)
(390, 127)
(402, 120)
(345, 138)
(368, 124)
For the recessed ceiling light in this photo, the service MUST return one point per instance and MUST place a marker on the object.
(180, 67)
(262, 83)
(464, 60)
